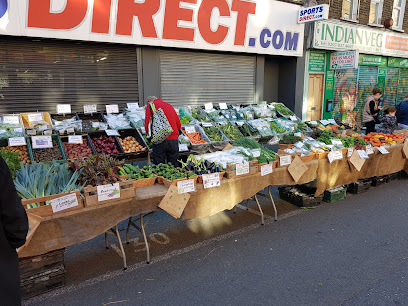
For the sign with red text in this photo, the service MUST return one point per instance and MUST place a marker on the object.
(313, 13)
(344, 60)
(252, 26)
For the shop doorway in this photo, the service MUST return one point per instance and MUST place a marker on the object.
(315, 97)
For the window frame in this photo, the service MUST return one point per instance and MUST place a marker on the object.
(398, 25)
(354, 10)
(378, 12)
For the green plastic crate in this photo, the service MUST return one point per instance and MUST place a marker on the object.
(334, 194)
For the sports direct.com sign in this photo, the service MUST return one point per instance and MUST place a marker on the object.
(253, 26)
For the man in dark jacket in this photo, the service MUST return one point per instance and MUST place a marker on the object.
(402, 113)
(13, 232)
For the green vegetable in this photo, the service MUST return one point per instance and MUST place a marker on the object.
(290, 139)
(302, 127)
(199, 117)
(231, 131)
(213, 133)
(326, 137)
(12, 161)
(247, 131)
(185, 120)
(276, 128)
(266, 154)
(283, 110)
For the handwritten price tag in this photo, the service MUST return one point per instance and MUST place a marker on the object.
(223, 106)
(108, 192)
(266, 169)
(132, 106)
(383, 150)
(112, 132)
(363, 154)
(11, 120)
(63, 203)
(211, 180)
(350, 152)
(16, 141)
(90, 108)
(75, 139)
(335, 155)
(64, 108)
(242, 169)
(208, 106)
(190, 129)
(285, 160)
(183, 147)
(35, 117)
(186, 186)
(112, 108)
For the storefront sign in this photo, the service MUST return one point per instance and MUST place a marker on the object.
(108, 192)
(336, 35)
(253, 26)
(313, 13)
(63, 203)
(317, 61)
(369, 60)
(344, 60)
(397, 62)
(329, 81)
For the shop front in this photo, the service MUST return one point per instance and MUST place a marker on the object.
(189, 52)
(339, 91)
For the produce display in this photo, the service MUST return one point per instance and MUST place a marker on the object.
(283, 110)
(195, 138)
(247, 130)
(231, 114)
(130, 145)
(380, 139)
(199, 165)
(12, 160)
(76, 150)
(276, 128)
(213, 133)
(195, 112)
(326, 137)
(43, 179)
(48, 154)
(116, 122)
(302, 127)
(22, 153)
(289, 139)
(184, 116)
(11, 132)
(215, 115)
(231, 131)
(266, 155)
(66, 126)
(105, 145)
(135, 173)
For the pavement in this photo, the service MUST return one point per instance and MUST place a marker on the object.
(352, 252)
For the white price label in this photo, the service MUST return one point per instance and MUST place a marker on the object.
(70, 131)
(266, 169)
(63, 108)
(207, 124)
(63, 203)
(223, 106)
(335, 155)
(242, 169)
(77, 139)
(112, 132)
(369, 150)
(90, 108)
(350, 152)
(298, 134)
(47, 132)
(222, 123)
(183, 147)
(240, 123)
(112, 108)
(11, 120)
(16, 141)
(256, 152)
(285, 160)
(41, 142)
(42, 128)
(18, 130)
(108, 192)
(314, 122)
(35, 117)
(332, 121)
(383, 150)
(293, 118)
(336, 142)
(186, 186)
(208, 106)
(324, 122)
(190, 129)
(132, 106)
(31, 132)
(211, 180)
(363, 154)
(3, 131)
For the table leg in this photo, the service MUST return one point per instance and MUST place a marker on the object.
(121, 247)
(106, 240)
(260, 210)
(273, 202)
(142, 226)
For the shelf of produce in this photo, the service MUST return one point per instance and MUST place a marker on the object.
(216, 145)
(87, 120)
(49, 152)
(95, 138)
(231, 132)
(183, 115)
(26, 123)
(23, 151)
(199, 147)
(141, 147)
(74, 151)
(11, 126)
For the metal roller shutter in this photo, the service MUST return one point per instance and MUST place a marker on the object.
(391, 86)
(367, 80)
(196, 78)
(403, 85)
(37, 75)
(345, 95)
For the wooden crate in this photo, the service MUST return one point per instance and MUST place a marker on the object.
(200, 177)
(36, 265)
(144, 182)
(46, 210)
(127, 191)
(231, 169)
(274, 165)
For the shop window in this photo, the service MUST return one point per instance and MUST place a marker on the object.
(398, 13)
(350, 9)
(376, 7)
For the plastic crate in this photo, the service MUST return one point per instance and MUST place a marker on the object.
(360, 186)
(334, 194)
(103, 133)
(134, 133)
(94, 117)
(54, 138)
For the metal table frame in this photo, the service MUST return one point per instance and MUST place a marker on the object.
(115, 232)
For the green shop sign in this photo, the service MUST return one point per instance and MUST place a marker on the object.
(370, 60)
(397, 62)
(317, 61)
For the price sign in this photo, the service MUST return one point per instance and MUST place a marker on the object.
(108, 192)
(314, 122)
(207, 124)
(256, 152)
(208, 106)
(285, 160)
(11, 120)
(112, 108)
(186, 186)
(350, 152)
(324, 122)
(132, 106)
(363, 154)
(335, 155)
(63, 203)
(16, 141)
(293, 118)
(90, 108)
(223, 106)
(332, 121)
(75, 139)
(211, 180)
(183, 147)
(70, 131)
(190, 129)
(383, 150)
(298, 134)
(240, 123)
(242, 169)
(369, 150)
(18, 130)
(266, 169)
(63, 108)
(41, 142)
(222, 123)
(42, 128)
(112, 132)
(35, 117)
(31, 132)
(336, 142)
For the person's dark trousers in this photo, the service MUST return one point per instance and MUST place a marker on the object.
(166, 152)
(370, 127)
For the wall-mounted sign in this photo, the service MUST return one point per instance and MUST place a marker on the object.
(344, 60)
(317, 61)
(397, 62)
(313, 13)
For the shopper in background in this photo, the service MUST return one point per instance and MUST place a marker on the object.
(13, 232)
(371, 110)
(402, 113)
(389, 121)
(167, 151)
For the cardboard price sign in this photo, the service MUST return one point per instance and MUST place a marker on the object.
(405, 149)
(356, 160)
(297, 168)
(174, 203)
(186, 186)
(108, 192)
(65, 202)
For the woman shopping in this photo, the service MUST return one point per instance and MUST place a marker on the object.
(371, 110)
